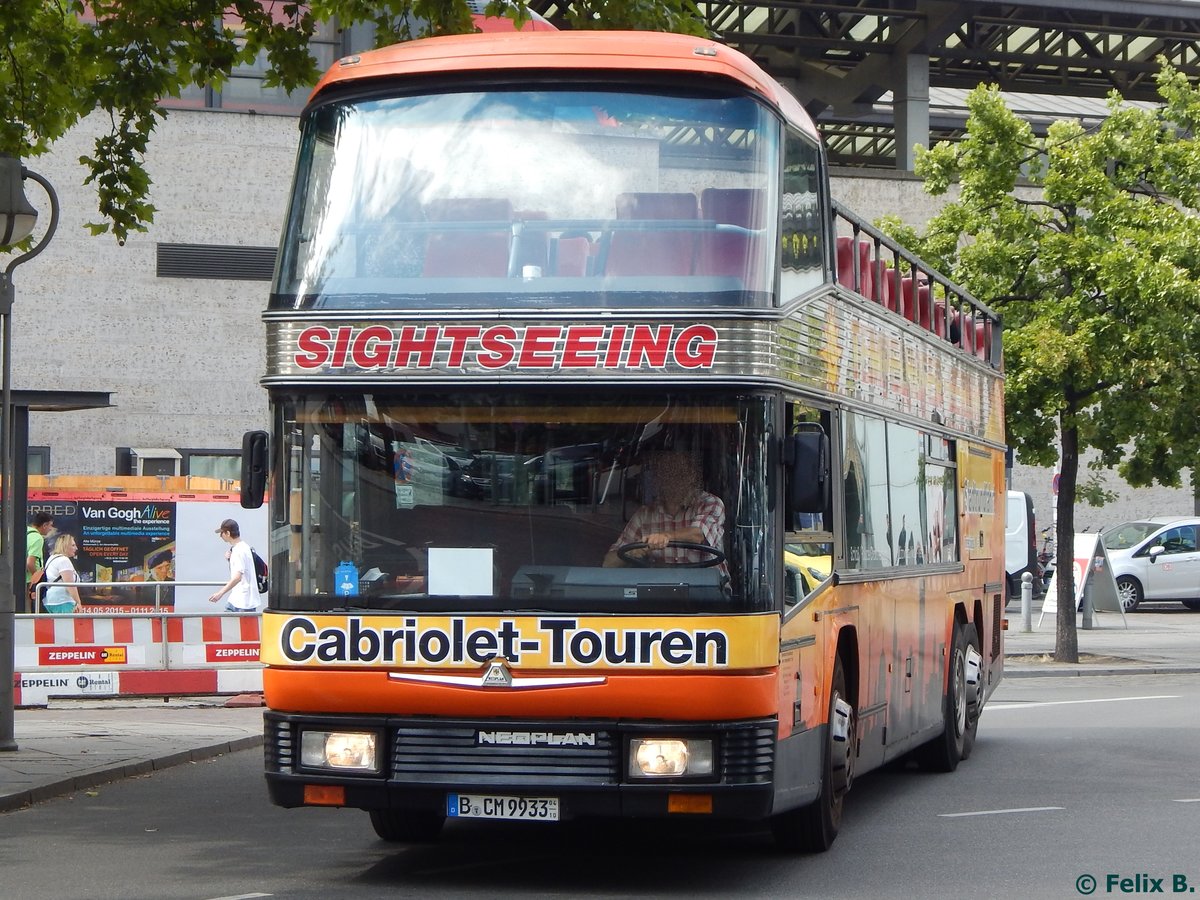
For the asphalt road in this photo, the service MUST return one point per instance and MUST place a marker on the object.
(1071, 778)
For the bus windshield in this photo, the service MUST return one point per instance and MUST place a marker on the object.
(562, 196)
(498, 501)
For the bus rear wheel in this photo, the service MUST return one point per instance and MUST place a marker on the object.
(812, 828)
(961, 707)
(406, 826)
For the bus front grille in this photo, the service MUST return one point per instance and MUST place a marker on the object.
(508, 753)
(748, 755)
(279, 746)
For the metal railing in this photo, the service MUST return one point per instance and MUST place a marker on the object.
(95, 587)
(876, 267)
(156, 608)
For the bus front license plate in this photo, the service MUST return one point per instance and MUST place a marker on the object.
(486, 806)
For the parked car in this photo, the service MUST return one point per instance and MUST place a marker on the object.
(1155, 559)
(440, 468)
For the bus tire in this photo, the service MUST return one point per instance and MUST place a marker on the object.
(812, 828)
(961, 706)
(406, 826)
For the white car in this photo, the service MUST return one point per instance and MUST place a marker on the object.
(1156, 559)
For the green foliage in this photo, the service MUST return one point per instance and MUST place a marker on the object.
(637, 15)
(38, 38)
(1094, 492)
(128, 55)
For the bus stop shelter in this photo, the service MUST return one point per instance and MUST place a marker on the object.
(23, 403)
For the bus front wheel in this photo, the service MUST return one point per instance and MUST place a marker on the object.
(406, 826)
(812, 828)
(961, 706)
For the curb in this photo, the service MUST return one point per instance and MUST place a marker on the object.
(1076, 670)
(106, 775)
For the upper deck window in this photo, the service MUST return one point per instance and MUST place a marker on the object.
(558, 197)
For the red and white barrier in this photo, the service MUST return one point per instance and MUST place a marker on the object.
(134, 655)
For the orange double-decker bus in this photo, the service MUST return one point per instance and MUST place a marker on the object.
(615, 471)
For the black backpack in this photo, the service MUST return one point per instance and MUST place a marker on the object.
(37, 578)
(261, 576)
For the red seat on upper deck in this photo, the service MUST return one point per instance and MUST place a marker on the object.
(847, 248)
(570, 255)
(469, 251)
(911, 298)
(983, 338)
(732, 253)
(652, 251)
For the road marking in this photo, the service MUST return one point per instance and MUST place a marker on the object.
(998, 812)
(241, 897)
(1189, 800)
(1034, 703)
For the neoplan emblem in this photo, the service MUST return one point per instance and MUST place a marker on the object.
(497, 674)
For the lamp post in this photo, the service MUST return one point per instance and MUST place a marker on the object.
(17, 218)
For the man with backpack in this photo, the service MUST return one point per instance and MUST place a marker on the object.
(40, 525)
(241, 586)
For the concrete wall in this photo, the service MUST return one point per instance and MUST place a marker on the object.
(183, 357)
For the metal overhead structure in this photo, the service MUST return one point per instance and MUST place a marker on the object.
(866, 70)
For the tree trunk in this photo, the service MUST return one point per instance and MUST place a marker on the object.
(1066, 642)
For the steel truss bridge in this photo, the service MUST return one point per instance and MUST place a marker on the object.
(892, 73)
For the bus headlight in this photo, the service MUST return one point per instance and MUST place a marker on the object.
(339, 750)
(670, 757)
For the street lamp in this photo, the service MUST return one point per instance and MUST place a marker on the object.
(17, 218)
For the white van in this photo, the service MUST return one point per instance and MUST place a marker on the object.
(1020, 544)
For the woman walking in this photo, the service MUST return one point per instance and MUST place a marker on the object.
(62, 596)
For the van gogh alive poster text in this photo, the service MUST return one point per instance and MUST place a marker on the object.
(119, 541)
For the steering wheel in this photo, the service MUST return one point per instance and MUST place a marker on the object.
(717, 557)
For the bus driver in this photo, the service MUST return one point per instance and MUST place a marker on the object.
(679, 511)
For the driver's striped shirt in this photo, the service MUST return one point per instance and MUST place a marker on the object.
(704, 511)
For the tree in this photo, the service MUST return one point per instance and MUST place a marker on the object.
(65, 59)
(1088, 243)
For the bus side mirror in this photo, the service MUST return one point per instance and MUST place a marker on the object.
(806, 461)
(254, 468)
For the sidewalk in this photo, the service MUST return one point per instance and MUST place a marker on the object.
(76, 745)
(1162, 638)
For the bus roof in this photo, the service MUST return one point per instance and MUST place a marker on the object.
(582, 51)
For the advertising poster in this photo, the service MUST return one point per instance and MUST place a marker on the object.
(1093, 574)
(129, 548)
(120, 541)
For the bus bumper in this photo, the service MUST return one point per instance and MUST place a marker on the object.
(423, 763)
